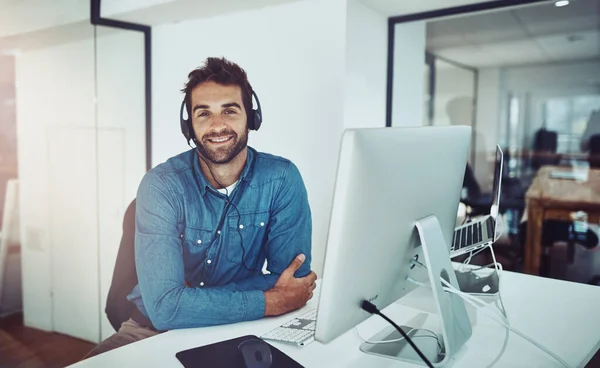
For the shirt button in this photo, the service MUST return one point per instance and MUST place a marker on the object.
(241, 226)
(199, 241)
(219, 232)
(181, 235)
(262, 224)
(201, 284)
(209, 261)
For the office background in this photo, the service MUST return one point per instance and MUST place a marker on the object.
(74, 120)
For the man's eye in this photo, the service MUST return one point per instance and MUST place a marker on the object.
(229, 111)
(203, 113)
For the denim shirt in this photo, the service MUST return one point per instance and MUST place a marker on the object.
(199, 254)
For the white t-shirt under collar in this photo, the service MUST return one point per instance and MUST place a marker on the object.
(229, 189)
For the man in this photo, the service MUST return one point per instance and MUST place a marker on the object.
(207, 219)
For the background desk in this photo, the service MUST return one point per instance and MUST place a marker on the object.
(563, 316)
(556, 199)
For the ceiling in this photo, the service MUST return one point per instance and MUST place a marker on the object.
(180, 10)
(391, 8)
(27, 24)
(541, 33)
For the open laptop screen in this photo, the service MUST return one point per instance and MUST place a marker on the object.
(497, 182)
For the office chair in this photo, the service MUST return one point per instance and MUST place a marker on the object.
(544, 148)
(512, 195)
(118, 308)
(594, 155)
(478, 202)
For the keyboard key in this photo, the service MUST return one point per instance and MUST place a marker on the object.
(298, 331)
(456, 242)
(470, 236)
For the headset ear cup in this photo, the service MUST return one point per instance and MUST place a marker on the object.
(185, 128)
(256, 113)
(257, 120)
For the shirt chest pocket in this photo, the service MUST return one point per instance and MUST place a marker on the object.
(195, 243)
(247, 235)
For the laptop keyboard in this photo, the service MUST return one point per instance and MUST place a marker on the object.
(468, 235)
(472, 234)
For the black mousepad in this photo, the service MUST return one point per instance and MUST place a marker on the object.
(225, 354)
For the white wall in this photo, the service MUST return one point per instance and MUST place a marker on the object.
(294, 55)
(53, 94)
(77, 175)
(366, 66)
(409, 74)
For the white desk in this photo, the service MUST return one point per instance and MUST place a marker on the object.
(563, 316)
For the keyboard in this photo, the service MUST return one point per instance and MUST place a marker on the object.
(472, 234)
(297, 331)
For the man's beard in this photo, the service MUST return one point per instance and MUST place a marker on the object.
(225, 154)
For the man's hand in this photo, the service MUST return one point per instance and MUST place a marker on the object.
(290, 293)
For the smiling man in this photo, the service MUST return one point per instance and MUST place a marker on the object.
(208, 219)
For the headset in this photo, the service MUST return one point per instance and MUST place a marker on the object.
(254, 119)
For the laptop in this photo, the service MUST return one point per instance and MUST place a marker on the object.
(480, 233)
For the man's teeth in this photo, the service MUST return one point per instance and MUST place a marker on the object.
(219, 139)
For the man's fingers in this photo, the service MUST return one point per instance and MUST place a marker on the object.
(312, 287)
(296, 263)
(310, 278)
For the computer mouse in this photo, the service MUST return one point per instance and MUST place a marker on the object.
(256, 353)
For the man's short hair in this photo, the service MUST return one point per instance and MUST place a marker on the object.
(221, 71)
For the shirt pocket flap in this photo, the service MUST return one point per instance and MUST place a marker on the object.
(247, 233)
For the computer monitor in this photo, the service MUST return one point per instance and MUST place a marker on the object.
(388, 179)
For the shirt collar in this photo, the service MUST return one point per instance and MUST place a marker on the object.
(246, 174)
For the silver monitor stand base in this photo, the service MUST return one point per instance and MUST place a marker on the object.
(455, 324)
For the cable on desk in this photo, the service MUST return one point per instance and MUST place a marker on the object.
(371, 308)
(430, 334)
(453, 290)
(474, 301)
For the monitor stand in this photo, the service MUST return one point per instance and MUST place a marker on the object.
(455, 324)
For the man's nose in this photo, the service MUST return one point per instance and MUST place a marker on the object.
(217, 123)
